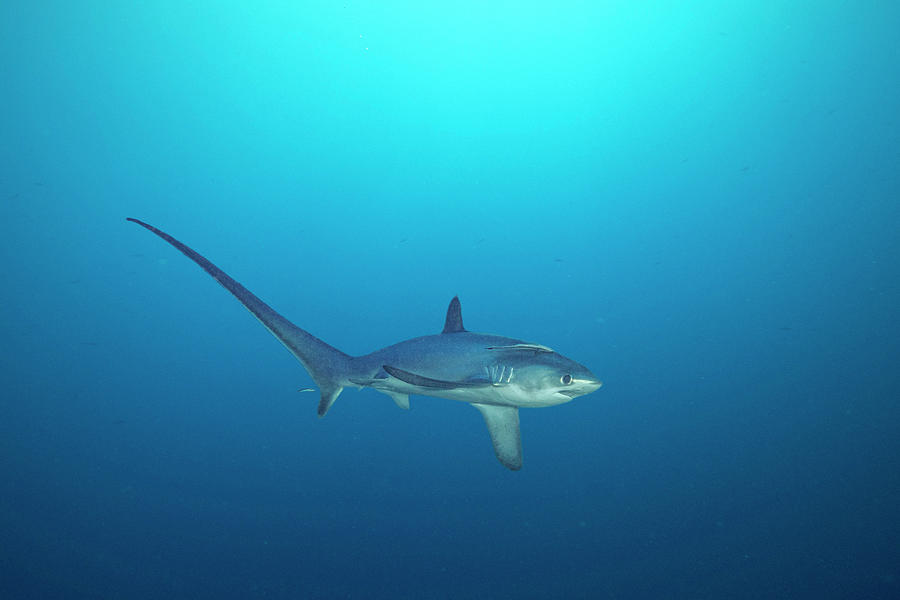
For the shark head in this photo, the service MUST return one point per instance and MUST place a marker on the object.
(535, 375)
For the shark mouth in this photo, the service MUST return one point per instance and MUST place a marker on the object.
(580, 388)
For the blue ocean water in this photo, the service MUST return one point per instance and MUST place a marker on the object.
(697, 200)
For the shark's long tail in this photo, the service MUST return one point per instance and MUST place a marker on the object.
(328, 366)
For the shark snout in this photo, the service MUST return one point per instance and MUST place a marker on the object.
(588, 385)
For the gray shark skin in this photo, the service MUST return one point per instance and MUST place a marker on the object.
(495, 374)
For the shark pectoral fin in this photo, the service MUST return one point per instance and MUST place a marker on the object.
(503, 425)
(427, 382)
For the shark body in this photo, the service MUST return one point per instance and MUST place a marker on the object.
(495, 374)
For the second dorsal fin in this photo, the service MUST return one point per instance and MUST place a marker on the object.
(453, 323)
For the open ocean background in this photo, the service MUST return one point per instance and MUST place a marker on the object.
(697, 200)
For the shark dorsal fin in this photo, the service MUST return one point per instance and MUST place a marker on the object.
(453, 323)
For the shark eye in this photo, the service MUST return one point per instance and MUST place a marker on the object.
(566, 379)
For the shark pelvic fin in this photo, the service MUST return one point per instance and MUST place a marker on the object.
(503, 425)
(401, 400)
(453, 323)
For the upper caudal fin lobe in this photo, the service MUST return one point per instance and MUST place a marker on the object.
(327, 366)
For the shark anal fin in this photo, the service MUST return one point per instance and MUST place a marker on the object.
(401, 400)
(503, 425)
(427, 382)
